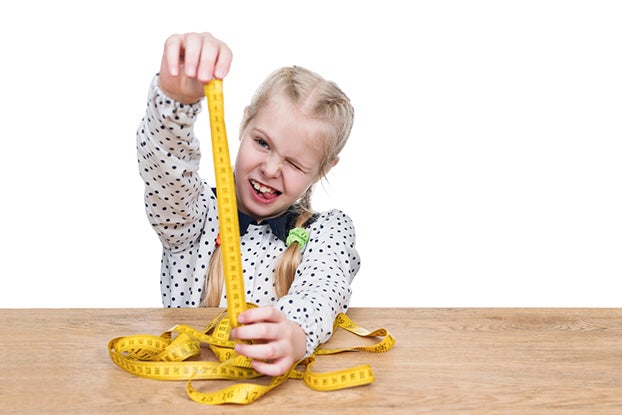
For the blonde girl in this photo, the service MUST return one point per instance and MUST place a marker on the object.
(298, 264)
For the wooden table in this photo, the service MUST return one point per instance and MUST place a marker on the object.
(446, 361)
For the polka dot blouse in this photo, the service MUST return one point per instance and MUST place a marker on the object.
(182, 210)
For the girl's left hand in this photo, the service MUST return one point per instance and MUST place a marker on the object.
(278, 343)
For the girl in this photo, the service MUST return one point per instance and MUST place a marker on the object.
(298, 265)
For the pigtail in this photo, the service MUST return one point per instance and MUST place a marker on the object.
(214, 280)
(286, 269)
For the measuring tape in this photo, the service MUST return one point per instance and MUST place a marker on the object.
(227, 205)
(166, 357)
(176, 353)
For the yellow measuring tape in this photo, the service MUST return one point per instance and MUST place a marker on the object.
(227, 205)
(176, 353)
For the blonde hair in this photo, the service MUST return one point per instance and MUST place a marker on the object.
(321, 100)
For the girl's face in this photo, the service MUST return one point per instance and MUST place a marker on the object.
(278, 159)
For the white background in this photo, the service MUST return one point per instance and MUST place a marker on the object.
(484, 168)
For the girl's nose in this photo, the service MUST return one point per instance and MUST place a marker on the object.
(271, 166)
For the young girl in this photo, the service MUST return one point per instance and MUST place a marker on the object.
(298, 265)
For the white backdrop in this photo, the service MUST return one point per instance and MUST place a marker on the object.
(484, 168)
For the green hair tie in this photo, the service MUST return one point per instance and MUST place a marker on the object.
(298, 235)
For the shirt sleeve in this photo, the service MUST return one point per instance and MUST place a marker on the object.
(322, 286)
(169, 158)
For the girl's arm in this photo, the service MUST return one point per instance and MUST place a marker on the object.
(303, 319)
(168, 151)
(322, 286)
(168, 158)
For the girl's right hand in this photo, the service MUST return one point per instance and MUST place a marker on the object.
(189, 61)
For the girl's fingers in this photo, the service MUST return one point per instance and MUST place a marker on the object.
(192, 52)
(257, 331)
(263, 351)
(202, 56)
(214, 59)
(261, 314)
(268, 358)
(223, 63)
(172, 53)
(271, 368)
(207, 61)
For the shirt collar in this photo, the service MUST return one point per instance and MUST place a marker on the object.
(279, 225)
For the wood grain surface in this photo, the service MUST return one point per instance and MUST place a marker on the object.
(445, 361)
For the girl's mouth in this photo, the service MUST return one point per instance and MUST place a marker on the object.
(263, 191)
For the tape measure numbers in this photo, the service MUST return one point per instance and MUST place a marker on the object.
(176, 353)
(227, 204)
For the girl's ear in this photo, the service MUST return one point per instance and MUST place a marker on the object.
(330, 166)
(334, 163)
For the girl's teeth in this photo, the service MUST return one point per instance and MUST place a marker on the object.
(262, 189)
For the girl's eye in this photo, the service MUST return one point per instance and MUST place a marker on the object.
(261, 142)
(294, 165)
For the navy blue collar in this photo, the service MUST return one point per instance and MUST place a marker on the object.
(279, 225)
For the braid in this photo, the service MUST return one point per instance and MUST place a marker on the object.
(286, 270)
(214, 280)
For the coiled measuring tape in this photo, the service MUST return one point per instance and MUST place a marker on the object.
(176, 353)
(166, 358)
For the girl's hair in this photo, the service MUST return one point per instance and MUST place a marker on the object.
(321, 100)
